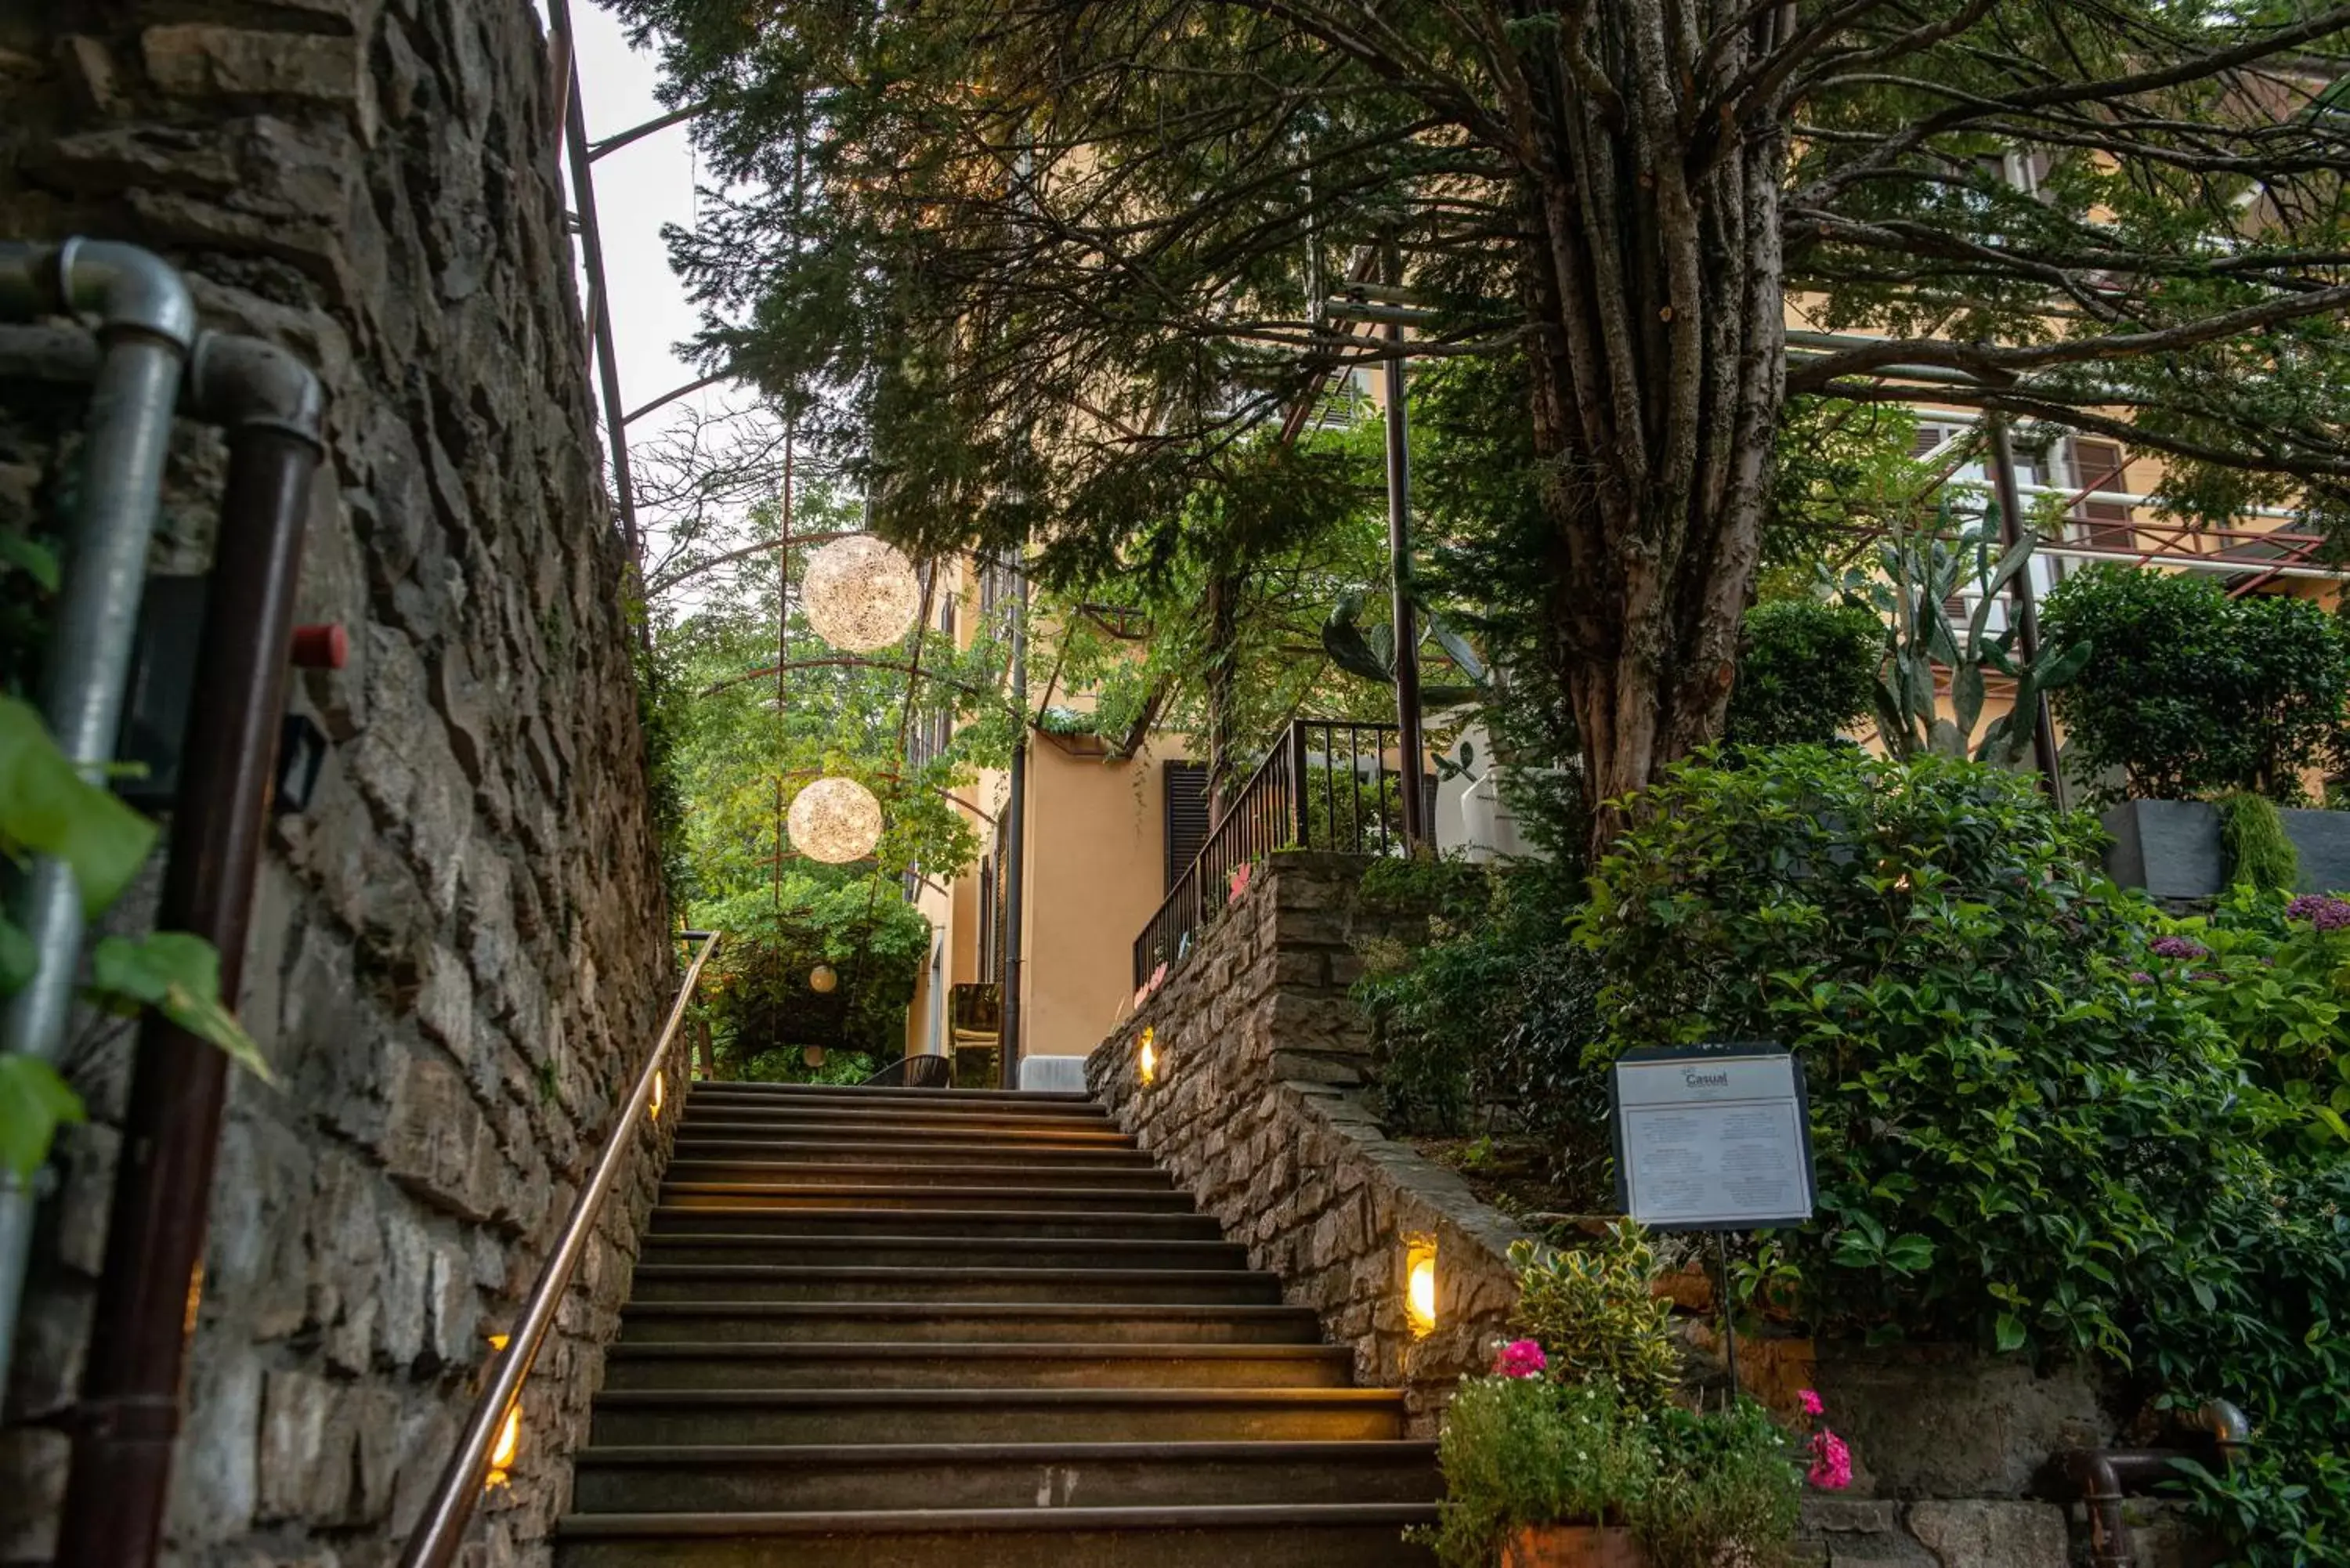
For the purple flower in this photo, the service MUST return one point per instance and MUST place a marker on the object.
(2323, 910)
(2140, 977)
(2178, 948)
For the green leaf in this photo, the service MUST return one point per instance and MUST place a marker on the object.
(179, 976)
(2010, 1332)
(35, 561)
(19, 958)
(34, 1101)
(48, 807)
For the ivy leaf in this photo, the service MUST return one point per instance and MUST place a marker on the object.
(48, 807)
(37, 562)
(33, 1102)
(19, 958)
(179, 976)
(1910, 1255)
(2010, 1332)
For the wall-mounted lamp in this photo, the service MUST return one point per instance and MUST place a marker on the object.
(1146, 1060)
(1419, 1283)
(503, 1452)
(657, 1096)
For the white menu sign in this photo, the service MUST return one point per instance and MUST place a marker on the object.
(1712, 1140)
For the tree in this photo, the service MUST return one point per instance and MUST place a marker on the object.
(1059, 256)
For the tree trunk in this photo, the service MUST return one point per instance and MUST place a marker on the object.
(1654, 266)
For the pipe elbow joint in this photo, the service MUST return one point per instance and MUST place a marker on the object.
(127, 288)
(243, 383)
(2228, 1430)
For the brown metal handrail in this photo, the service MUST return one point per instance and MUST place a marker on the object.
(439, 1533)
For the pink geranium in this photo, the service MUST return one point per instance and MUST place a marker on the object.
(1520, 1358)
(1810, 1400)
(1240, 880)
(1831, 1461)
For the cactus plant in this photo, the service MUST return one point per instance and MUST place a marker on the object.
(1920, 571)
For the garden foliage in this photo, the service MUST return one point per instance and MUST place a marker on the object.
(2044, 1118)
(2193, 694)
(1807, 671)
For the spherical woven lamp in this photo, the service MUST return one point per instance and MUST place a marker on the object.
(822, 980)
(835, 820)
(860, 593)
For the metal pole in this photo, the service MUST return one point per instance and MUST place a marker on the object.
(1407, 631)
(128, 1417)
(591, 253)
(1015, 836)
(2027, 608)
(146, 325)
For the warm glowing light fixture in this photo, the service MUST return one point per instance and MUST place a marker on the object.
(1147, 1059)
(860, 594)
(657, 1096)
(822, 980)
(1419, 1283)
(503, 1452)
(835, 820)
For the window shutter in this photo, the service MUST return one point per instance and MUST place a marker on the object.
(1187, 816)
(2098, 465)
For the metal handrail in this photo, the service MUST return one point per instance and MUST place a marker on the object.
(434, 1541)
(924, 1064)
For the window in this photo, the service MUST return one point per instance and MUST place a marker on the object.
(1187, 816)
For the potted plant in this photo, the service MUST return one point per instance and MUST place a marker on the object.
(1580, 1449)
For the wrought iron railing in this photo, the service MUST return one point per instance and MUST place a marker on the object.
(915, 1072)
(1326, 783)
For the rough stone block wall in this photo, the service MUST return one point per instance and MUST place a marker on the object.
(460, 954)
(1260, 1103)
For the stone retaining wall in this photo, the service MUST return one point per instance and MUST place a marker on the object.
(460, 952)
(1258, 1104)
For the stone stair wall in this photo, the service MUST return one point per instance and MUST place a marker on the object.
(460, 952)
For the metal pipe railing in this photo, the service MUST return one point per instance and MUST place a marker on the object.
(442, 1526)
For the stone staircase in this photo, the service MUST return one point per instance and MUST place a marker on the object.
(891, 1328)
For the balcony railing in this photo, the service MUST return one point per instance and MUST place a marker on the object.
(1325, 784)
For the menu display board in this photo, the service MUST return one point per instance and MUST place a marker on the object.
(1712, 1139)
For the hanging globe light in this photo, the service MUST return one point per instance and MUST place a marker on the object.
(835, 820)
(860, 593)
(821, 979)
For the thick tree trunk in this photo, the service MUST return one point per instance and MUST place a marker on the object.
(1655, 270)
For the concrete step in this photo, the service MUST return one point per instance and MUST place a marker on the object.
(749, 1219)
(705, 1321)
(900, 1122)
(681, 1192)
(947, 1251)
(1001, 1475)
(785, 1282)
(1020, 1173)
(960, 1155)
(1327, 1535)
(947, 1102)
(976, 1364)
(645, 1416)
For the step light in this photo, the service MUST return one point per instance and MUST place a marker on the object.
(1146, 1060)
(1419, 1283)
(503, 1452)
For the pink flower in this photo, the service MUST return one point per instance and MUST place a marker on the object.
(1831, 1461)
(1141, 995)
(1520, 1358)
(1157, 978)
(1810, 1400)
(1240, 879)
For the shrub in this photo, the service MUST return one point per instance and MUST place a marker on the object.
(2192, 693)
(1592, 1311)
(756, 995)
(1806, 670)
(1528, 1450)
(1981, 1130)
(2260, 853)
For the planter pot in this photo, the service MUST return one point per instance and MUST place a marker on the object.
(1572, 1546)
(2172, 848)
